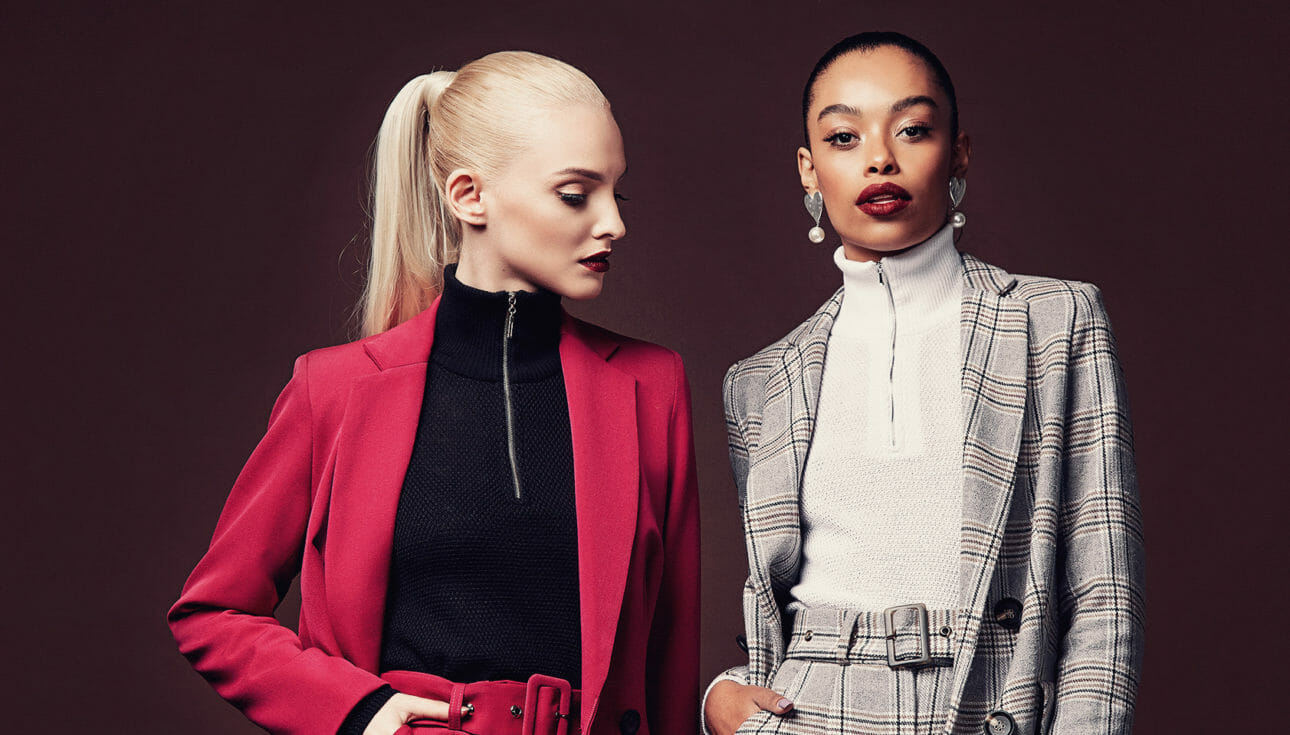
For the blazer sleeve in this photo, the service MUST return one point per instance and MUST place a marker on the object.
(672, 672)
(1101, 594)
(223, 620)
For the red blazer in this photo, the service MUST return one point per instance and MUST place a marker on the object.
(319, 495)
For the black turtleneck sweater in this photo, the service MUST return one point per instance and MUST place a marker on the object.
(484, 584)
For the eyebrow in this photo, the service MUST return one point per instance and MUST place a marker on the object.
(585, 173)
(900, 106)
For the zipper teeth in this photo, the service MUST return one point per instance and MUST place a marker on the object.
(506, 392)
(891, 370)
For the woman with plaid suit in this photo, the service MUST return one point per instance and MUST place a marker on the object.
(935, 469)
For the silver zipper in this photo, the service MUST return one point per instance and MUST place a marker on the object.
(891, 371)
(506, 390)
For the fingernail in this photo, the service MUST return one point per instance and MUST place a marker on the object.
(784, 703)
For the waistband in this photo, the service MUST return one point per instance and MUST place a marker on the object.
(898, 637)
(544, 705)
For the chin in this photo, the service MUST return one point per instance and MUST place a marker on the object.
(890, 237)
(582, 294)
(580, 289)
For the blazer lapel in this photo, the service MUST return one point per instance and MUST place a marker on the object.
(606, 478)
(995, 353)
(372, 454)
(772, 512)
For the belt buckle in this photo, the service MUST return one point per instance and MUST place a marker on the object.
(535, 684)
(889, 632)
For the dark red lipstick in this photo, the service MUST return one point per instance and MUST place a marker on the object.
(881, 200)
(598, 263)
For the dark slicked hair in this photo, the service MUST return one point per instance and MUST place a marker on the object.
(874, 40)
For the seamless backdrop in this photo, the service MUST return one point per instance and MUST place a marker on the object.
(183, 214)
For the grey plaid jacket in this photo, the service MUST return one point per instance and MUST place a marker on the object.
(1050, 503)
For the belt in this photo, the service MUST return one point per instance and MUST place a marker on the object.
(544, 705)
(904, 636)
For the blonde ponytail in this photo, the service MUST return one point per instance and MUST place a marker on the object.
(437, 123)
(413, 235)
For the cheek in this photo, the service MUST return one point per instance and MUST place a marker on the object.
(933, 168)
(837, 184)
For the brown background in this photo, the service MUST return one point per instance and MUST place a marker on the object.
(182, 213)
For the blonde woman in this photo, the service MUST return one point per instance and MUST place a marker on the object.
(490, 504)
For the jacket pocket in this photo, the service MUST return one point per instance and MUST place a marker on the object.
(1046, 696)
(754, 722)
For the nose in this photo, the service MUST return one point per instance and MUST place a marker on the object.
(610, 224)
(881, 159)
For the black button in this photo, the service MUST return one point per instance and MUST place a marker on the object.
(630, 722)
(1000, 723)
(741, 642)
(1007, 613)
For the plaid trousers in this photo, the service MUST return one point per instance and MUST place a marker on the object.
(838, 670)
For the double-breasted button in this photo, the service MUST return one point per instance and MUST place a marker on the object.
(630, 722)
(1007, 613)
(1000, 723)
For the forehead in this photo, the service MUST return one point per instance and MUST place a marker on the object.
(579, 136)
(875, 78)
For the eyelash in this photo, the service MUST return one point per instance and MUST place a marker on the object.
(577, 200)
(922, 131)
(834, 139)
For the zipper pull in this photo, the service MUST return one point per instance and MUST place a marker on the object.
(880, 272)
(510, 314)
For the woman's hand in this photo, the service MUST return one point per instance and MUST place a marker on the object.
(730, 703)
(401, 709)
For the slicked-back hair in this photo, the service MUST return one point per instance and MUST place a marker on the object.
(869, 41)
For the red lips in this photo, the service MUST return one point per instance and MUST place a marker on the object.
(598, 263)
(881, 200)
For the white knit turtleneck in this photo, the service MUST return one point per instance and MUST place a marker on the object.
(882, 490)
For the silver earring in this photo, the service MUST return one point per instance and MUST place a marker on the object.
(815, 205)
(958, 187)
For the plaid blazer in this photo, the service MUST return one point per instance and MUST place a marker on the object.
(1050, 503)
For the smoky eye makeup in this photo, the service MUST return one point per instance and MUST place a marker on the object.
(572, 198)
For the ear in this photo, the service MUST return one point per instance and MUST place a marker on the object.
(464, 193)
(960, 153)
(806, 169)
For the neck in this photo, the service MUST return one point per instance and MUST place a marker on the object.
(862, 253)
(479, 267)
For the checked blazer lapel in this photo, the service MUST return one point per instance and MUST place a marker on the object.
(995, 349)
(772, 512)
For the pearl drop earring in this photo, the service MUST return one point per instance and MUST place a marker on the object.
(958, 187)
(815, 205)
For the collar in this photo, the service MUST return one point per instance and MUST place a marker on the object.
(923, 285)
(471, 327)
